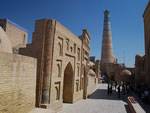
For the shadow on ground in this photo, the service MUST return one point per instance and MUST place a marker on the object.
(127, 108)
(102, 94)
(145, 106)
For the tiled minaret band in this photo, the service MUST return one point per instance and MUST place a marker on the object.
(107, 52)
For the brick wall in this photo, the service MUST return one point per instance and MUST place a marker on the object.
(147, 42)
(17, 83)
(16, 34)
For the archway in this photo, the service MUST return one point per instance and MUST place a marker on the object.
(68, 84)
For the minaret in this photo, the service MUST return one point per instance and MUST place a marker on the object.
(107, 56)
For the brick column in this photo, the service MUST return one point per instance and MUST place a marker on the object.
(47, 62)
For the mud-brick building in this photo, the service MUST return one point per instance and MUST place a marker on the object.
(146, 17)
(17, 35)
(17, 74)
(140, 70)
(62, 63)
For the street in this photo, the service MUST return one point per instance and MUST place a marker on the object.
(98, 102)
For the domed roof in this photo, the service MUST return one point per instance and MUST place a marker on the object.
(5, 44)
(125, 75)
(91, 64)
(125, 72)
(139, 55)
(91, 72)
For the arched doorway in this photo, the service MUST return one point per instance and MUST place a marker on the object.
(68, 84)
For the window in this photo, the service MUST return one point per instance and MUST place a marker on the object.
(57, 93)
(57, 90)
(78, 54)
(78, 70)
(81, 83)
(77, 85)
(15, 50)
(67, 42)
(60, 49)
(24, 39)
(74, 48)
(83, 55)
(49, 26)
(71, 49)
(2, 26)
(95, 81)
(59, 70)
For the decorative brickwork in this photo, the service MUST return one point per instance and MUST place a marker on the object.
(61, 55)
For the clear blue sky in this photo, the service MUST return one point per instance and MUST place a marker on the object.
(126, 19)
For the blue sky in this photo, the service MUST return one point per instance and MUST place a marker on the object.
(126, 20)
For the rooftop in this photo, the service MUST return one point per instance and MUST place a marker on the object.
(18, 26)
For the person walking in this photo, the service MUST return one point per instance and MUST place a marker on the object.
(118, 91)
(115, 85)
(108, 89)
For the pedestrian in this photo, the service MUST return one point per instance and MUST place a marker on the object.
(108, 90)
(118, 91)
(115, 85)
(123, 89)
(146, 94)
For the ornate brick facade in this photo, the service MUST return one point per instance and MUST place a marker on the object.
(62, 63)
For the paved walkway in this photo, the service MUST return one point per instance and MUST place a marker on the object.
(98, 102)
(41, 110)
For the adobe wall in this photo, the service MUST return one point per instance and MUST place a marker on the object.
(16, 34)
(55, 48)
(147, 42)
(139, 69)
(69, 55)
(17, 83)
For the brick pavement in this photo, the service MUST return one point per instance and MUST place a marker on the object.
(98, 102)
